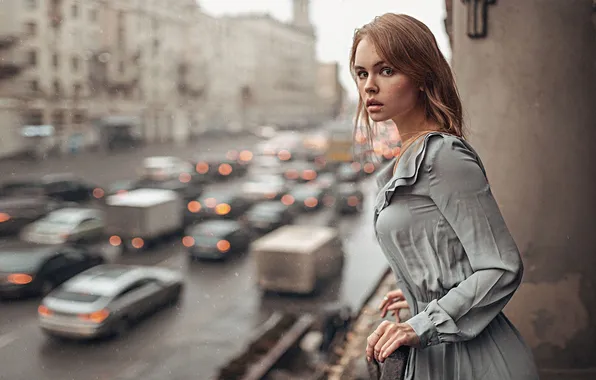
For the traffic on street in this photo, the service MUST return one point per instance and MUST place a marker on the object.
(133, 265)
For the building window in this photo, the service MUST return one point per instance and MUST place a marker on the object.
(57, 89)
(121, 67)
(33, 117)
(75, 10)
(34, 85)
(58, 120)
(78, 90)
(93, 15)
(31, 29)
(55, 60)
(32, 58)
(78, 117)
(31, 4)
(75, 64)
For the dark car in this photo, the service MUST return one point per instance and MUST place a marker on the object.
(348, 198)
(308, 197)
(267, 216)
(65, 187)
(219, 204)
(301, 171)
(216, 239)
(37, 269)
(17, 212)
(218, 167)
(187, 190)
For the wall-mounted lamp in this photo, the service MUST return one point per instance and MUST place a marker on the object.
(477, 18)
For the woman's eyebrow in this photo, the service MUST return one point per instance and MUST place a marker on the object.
(375, 65)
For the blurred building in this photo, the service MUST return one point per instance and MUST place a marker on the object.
(330, 92)
(158, 70)
(526, 71)
(282, 65)
(73, 64)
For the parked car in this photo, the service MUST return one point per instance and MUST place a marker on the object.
(68, 225)
(63, 186)
(107, 299)
(37, 269)
(349, 172)
(267, 216)
(216, 239)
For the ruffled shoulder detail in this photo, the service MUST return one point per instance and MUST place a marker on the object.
(406, 173)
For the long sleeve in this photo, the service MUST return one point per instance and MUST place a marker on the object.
(458, 186)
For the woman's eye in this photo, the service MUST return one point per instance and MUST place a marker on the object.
(361, 74)
(387, 71)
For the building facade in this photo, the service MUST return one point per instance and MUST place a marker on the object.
(526, 71)
(162, 66)
(330, 92)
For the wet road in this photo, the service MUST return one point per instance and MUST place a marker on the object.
(220, 309)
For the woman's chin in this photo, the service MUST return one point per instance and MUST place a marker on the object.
(378, 117)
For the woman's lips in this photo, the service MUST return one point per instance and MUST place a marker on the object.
(374, 107)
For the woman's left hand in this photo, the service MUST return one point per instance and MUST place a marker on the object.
(387, 338)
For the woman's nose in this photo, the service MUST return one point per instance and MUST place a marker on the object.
(370, 87)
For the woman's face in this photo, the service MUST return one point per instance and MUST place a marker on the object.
(385, 92)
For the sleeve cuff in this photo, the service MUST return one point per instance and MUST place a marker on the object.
(425, 329)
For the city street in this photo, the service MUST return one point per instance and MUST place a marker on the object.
(221, 306)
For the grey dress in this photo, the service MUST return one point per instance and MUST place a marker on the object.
(442, 232)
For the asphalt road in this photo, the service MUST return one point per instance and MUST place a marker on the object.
(218, 314)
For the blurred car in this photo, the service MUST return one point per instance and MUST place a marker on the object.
(187, 190)
(216, 239)
(161, 168)
(266, 165)
(301, 171)
(326, 181)
(17, 212)
(217, 167)
(308, 197)
(107, 299)
(349, 172)
(264, 186)
(268, 216)
(72, 225)
(63, 186)
(220, 204)
(349, 198)
(36, 269)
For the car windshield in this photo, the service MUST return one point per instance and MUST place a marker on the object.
(20, 189)
(75, 297)
(263, 215)
(19, 262)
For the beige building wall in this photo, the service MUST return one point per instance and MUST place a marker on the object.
(529, 90)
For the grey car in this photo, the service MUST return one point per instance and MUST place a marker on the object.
(107, 300)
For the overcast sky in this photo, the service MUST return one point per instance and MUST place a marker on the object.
(335, 21)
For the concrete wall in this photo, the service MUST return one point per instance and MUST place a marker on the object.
(529, 90)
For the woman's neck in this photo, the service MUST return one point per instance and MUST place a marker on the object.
(413, 125)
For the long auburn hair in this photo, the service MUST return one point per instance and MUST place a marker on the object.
(411, 48)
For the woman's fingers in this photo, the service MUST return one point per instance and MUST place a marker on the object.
(390, 297)
(396, 306)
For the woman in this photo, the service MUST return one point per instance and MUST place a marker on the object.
(436, 220)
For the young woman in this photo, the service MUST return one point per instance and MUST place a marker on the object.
(436, 219)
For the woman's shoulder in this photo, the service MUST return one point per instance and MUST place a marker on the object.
(452, 157)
